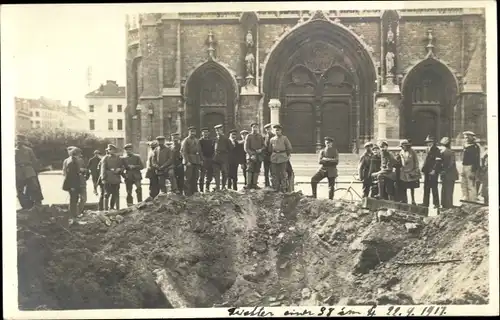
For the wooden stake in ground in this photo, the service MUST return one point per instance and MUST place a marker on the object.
(427, 262)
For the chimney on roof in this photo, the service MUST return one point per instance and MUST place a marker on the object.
(69, 104)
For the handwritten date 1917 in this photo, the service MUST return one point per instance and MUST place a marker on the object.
(408, 311)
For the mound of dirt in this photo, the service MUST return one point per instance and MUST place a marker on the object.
(253, 248)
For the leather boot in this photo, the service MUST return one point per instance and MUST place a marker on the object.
(330, 193)
(255, 181)
(249, 184)
(314, 188)
(200, 185)
(139, 195)
(224, 182)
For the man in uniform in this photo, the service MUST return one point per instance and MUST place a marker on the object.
(74, 183)
(207, 154)
(222, 148)
(471, 163)
(191, 153)
(364, 169)
(386, 176)
(93, 168)
(328, 159)
(242, 154)
(449, 173)
(111, 171)
(255, 149)
(280, 149)
(234, 161)
(431, 171)
(178, 161)
(268, 134)
(28, 187)
(133, 166)
(151, 172)
(163, 162)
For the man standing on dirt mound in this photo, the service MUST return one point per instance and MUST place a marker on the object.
(431, 171)
(178, 161)
(364, 168)
(163, 162)
(280, 149)
(92, 166)
(191, 153)
(222, 148)
(111, 170)
(28, 188)
(154, 188)
(234, 161)
(133, 177)
(471, 162)
(255, 149)
(268, 134)
(242, 155)
(328, 159)
(207, 155)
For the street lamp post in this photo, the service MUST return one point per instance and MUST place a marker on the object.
(151, 114)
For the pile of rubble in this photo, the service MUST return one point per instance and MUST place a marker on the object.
(252, 248)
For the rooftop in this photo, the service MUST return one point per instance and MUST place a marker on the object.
(108, 90)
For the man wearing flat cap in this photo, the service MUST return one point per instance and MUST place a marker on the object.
(92, 166)
(178, 160)
(386, 176)
(328, 159)
(222, 148)
(28, 187)
(255, 149)
(280, 149)
(431, 170)
(112, 168)
(133, 177)
(471, 163)
(154, 187)
(74, 182)
(449, 173)
(268, 134)
(191, 153)
(163, 162)
(207, 154)
(364, 168)
(242, 154)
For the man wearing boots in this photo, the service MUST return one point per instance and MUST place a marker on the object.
(386, 176)
(207, 155)
(449, 173)
(328, 159)
(471, 162)
(280, 149)
(431, 172)
(151, 173)
(222, 148)
(268, 134)
(234, 161)
(255, 149)
(133, 177)
(375, 166)
(178, 161)
(111, 170)
(364, 168)
(163, 162)
(191, 153)
(242, 155)
(28, 187)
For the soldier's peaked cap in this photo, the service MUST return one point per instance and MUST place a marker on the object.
(192, 128)
(254, 124)
(128, 146)
(383, 143)
(267, 126)
(330, 139)
(111, 147)
(218, 126)
(233, 131)
(177, 133)
(277, 126)
(97, 152)
(429, 139)
(244, 132)
(205, 129)
(160, 138)
(368, 144)
(469, 133)
(70, 148)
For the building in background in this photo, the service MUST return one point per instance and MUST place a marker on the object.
(105, 108)
(23, 115)
(356, 75)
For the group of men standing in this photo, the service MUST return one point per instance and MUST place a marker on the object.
(390, 177)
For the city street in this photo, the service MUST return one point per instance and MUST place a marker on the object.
(53, 193)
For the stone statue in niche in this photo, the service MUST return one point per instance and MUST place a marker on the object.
(389, 62)
(250, 63)
(249, 39)
(390, 36)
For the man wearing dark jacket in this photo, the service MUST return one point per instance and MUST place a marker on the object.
(386, 176)
(191, 153)
(111, 171)
(449, 173)
(163, 162)
(28, 187)
(242, 155)
(268, 134)
(234, 160)
(154, 188)
(431, 171)
(364, 168)
(328, 159)
(222, 148)
(133, 177)
(256, 152)
(92, 166)
(375, 166)
(178, 161)
(207, 154)
(471, 163)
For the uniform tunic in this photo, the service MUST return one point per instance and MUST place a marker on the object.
(191, 153)
(280, 149)
(471, 162)
(363, 172)
(163, 161)
(449, 174)
(207, 155)
(27, 184)
(133, 174)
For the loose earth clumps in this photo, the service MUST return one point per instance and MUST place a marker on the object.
(246, 249)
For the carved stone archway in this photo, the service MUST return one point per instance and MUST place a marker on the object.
(211, 96)
(430, 93)
(304, 57)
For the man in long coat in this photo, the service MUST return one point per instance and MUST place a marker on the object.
(222, 148)
(154, 188)
(112, 168)
(364, 168)
(133, 176)
(163, 163)
(255, 149)
(449, 173)
(280, 149)
(28, 187)
(386, 176)
(328, 158)
(431, 170)
(191, 153)
(471, 163)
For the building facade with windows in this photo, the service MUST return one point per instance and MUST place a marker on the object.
(105, 112)
(356, 75)
(23, 113)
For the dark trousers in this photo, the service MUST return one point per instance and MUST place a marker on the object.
(179, 177)
(447, 188)
(162, 181)
(267, 172)
(138, 190)
(431, 185)
(29, 192)
(317, 177)
(74, 196)
(279, 176)
(232, 177)
(206, 174)
(221, 170)
(154, 186)
(367, 185)
(386, 188)
(112, 196)
(400, 191)
(101, 196)
(253, 171)
(244, 170)
(192, 176)
(95, 179)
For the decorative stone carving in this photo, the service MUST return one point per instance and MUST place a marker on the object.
(319, 15)
(249, 39)
(390, 36)
(274, 106)
(211, 45)
(430, 45)
(389, 63)
(213, 93)
(250, 64)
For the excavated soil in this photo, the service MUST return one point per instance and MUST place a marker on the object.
(246, 249)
